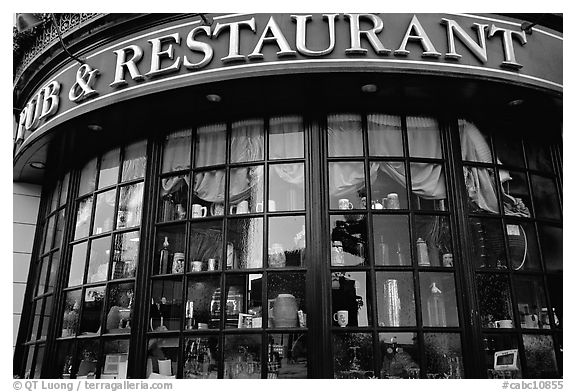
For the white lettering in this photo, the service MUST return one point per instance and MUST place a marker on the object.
(277, 38)
(356, 34)
(234, 41)
(478, 49)
(197, 46)
(420, 36)
(158, 54)
(122, 64)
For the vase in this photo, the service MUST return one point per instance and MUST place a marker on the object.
(285, 311)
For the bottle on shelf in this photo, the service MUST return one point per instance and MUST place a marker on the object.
(400, 255)
(164, 257)
(422, 251)
(337, 254)
(384, 250)
(436, 307)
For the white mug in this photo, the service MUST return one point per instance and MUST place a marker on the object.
(344, 204)
(503, 323)
(271, 206)
(341, 317)
(240, 208)
(199, 211)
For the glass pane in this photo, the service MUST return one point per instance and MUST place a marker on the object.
(36, 315)
(475, 144)
(481, 188)
(71, 318)
(391, 240)
(208, 193)
(399, 354)
(423, 137)
(130, 208)
(522, 245)
(92, 310)
(170, 256)
(201, 357)
(540, 357)
(545, 198)
(246, 189)
(83, 218)
(285, 188)
(353, 355)
(53, 197)
(286, 137)
(389, 186)
(286, 241)
(134, 164)
(428, 187)
(98, 261)
(243, 301)
(63, 366)
(395, 298)
(433, 241)
(115, 359)
(551, 241)
(538, 154)
(39, 359)
(109, 166)
(385, 135)
(29, 372)
(245, 243)
(104, 213)
(41, 284)
(77, 264)
(162, 359)
(64, 191)
(443, 355)
(493, 344)
(347, 186)
(555, 288)
(509, 149)
(173, 198)
(247, 141)
(201, 303)
(120, 308)
(166, 307)
(206, 246)
(125, 258)
(438, 299)
(531, 302)
(514, 193)
(210, 146)
(345, 135)
(487, 243)
(242, 356)
(46, 315)
(59, 228)
(53, 274)
(49, 234)
(494, 301)
(88, 178)
(350, 300)
(287, 355)
(286, 300)
(176, 152)
(87, 365)
(349, 240)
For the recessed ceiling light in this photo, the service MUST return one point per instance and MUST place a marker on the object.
(213, 97)
(516, 102)
(369, 88)
(94, 127)
(38, 165)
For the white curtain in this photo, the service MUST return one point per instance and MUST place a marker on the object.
(385, 135)
(247, 141)
(210, 145)
(177, 151)
(286, 137)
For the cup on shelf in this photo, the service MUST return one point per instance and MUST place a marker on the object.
(341, 317)
(198, 211)
(344, 204)
(240, 208)
(212, 265)
(503, 323)
(197, 266)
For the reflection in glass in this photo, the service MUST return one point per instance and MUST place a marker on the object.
(391, 240)
(98, 261)
(36, 313)
(88, 178)
(395, 299)
(246, 190)
(64, 191)
(389, 186)
(538, 155)
(287, 300)
(170, 245)
(166, 305)
(104, 213)
(52, 275)
(514, 193)
(555, 286)
(551, 241)
(201, 357)
(399, 354)
(63, 366)
(286, 241)
(173, 198)
(208, 195)
(286, 137)
(87, 365)
(443, 353)
(41, 283)
(205, 246)
(210, 147)
(39, 357)
(285, 187)
(162, 358)
(71, 318)
(350, 294)
(287, 355)
(242, 356)
(540, 358)
(176, 151)
(423, 137)
(347, 186)
(491, 344)
(247, 141)
(509, 149)
(245, 243)
(349, 240)
(115, 359)
(30, 357)
(125, 257)
(243, 301)
(531, 302)
(52, 199)
(109, 166)
(488, 249)
(120, 308)
(134, 164)
(438, 299)
(46, 315)
(49, 234)
(428, 187)
(130, 206)
(59, 228)
(494, 301)
(83, 218)
(200, 307)
(345, 135)
(481, 188)
(545, 198)
(385, 135)
(77, 264)
(352, 355)
(92, 310)
(433, 241)
(522, 245)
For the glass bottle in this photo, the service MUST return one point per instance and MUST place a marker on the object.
(422, 250)
(436, 307)
(337, 254)
(164, 257)
(400, 255)
(384, 250)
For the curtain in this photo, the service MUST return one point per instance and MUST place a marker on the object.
(385, 135)
(210, 145)
(286, 137)
(177, 151)
(247, 141)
